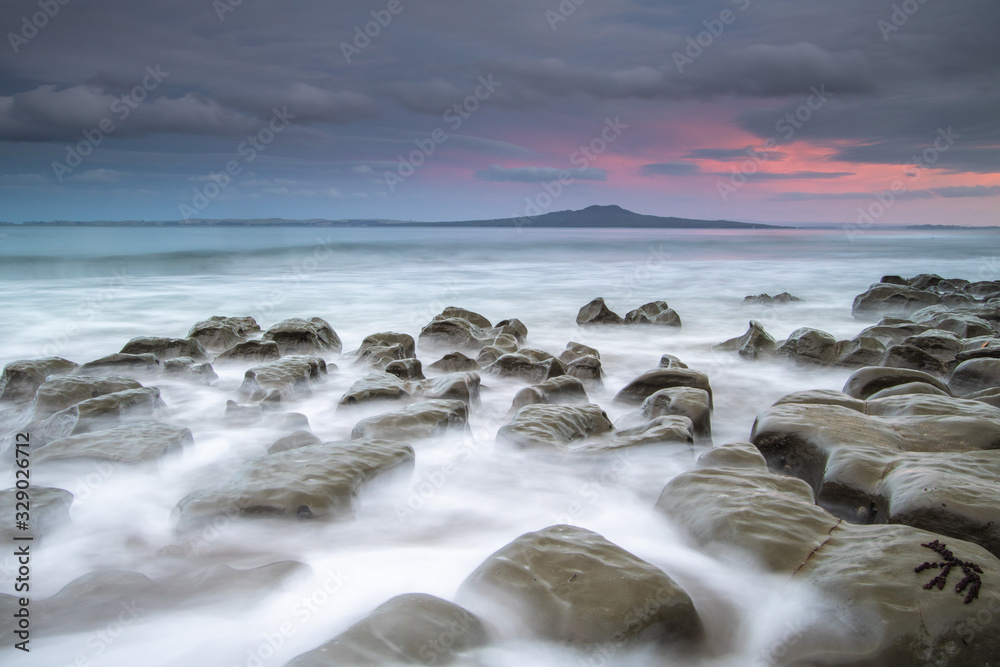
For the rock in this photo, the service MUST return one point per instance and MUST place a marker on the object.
(382, 348)
(866, 381)
(664, 430)
(131, 365)
(755, 343)
(822, 397)
(894, 280)
(554, 425)
(988, 396)
(166, 348)
(568, 584)
(653, 381)
(313, 482)
(140, 442)
(695, 404)
(942, 344)
(670, 361)
(520, 331)
(597, 313)
(48, 509)
(488, 355)
(865, 571)
(962, 324)
(454, 386)
(406, 369)
(457, 329)
(975, 375)
(586, 369)
(468, 315)
(64, 391)
(886, 299)
(376, 387)
(455, 362)
(298, 336)
(810, 346)
(733, 455)
(292, 376)
(983, 290)
(861, 351)
(908, 388)
(418, 421)
(576, 351)
(103, 412)
(655, 312)
(912, 357)
(217, 335)
(254, 351)
(558, 390)
(979, 348)
(891, 331)
(21, 379)
(524, 366)
(185, 368)
(768, 300)
(243, 325)
(293, 441)
(407, 630)
(242, 415)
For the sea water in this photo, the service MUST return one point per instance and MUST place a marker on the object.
(82, 293)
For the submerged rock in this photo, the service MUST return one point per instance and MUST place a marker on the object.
(568, 584)
(526, 365)
(653, 381)
(663, 430)
(293, 441)
(304, 337)
(130, 443)
(62, 392)
(21, 379)
(768, 300)
(293, 377)
(131, 365)
(755, 343)
(186, 368)
(166, 348)
(554, 425)
(48, 509)
(562, 390)
(108, 411)
(597, 313)
(655, 312)
(254, 351)
(313, 482)
(414, 422)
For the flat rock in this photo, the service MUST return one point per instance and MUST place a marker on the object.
(414, 629)
(166, 348)
(20, 379)
(653, 381)
(568, 584)
(64, 391)
(130, 443)
(304, 337)
(293, 441)
(130, 365)
(556, 426)
(417, 421)
(313, 482)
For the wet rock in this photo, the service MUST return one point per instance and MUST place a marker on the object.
(406, 369)
(417, 421)
(254, 351)
(597, 313)
(822, 397)
(186, 368)
(293, 441)
(755, 343)
(242, 415)
(520, 331)
(468, 315)
(166, 348)
(908, 388)
(526, 366)
(130, 365)
(898, 300)
(49, 508)
(586, 369)
(655, 312)
(376, 387)
(140, 442)
(576, 351)
(868, 571)
(242, 325)
(218, 334)
(64, 391)
(457, 329)
(810, 346)
(912, 357)
(568, 584)
(414, 629)
(664, 430)
(292, 376)
(943, 345)
(488, 355)
(733, 455)
(891, 331)
(304, 337)
(653, 381)
(103, 412)
(975, 375)
(894, 280)
(866, 381)
(670, 361)
(454, 386)
(988, 396)
(979, 348)
(861, 351)
(556, 426)
(768, 300)
(382, 348)
(558, 390)
(314, 482)
(695, 404)
(455, 362)
(963, 325)
(21, 379)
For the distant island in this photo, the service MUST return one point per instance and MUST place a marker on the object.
(590, 217)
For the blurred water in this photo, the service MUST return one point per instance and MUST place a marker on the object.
(83, 293)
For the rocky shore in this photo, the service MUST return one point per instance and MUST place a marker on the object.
(883, 497)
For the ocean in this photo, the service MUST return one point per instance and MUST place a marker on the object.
(82, 293)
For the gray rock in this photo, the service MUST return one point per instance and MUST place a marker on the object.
(655, 312)
(418, 421)
(558, 390)
(130, 365)
(21, 379)
(886, 299)
(242, 415)
(166, 348)
(376, 387)
(912, 357)
(520, 330)
(382, 348)
(455, 362)
(975, 375)
(861, 351)
(293, 441)
(525, 366)
(670, 361)
(64, 391)
(568, 584)
(755, 343)
(695, 404)
(457, 329)
(810, 346)
(908, 388)
(597, 313)
(298, 336)
(454, 386)
(140, 442)
(292, 376)
(576, 351)
(186, 368)
(48, 509)
(217, 335)
(586, 369)
(254, 351)
(665, 430)
(866, 381)
(653, 381)
(557, 426)
(733, 455)
(317, 482)
(406, 369)
(471, 316)
(103, 412)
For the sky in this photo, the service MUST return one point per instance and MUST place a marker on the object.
(790, 111)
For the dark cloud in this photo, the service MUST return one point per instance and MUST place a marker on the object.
(733, 154)
(670, 169)
(539, 174)
(794, 175)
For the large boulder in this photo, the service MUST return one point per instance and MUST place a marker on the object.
(563, 389)
(220, 333)
(21, 379)
(63, 391)
(888, 299)
(915, 358)
(312, 482)
(557, 426)
(655, 312)
(304, 337)
(665, 430)
(526, 365)
(568, 584)
(975, 375)
(413, 629)
(861, 351)
(406, 369)
(130, 365)
(866, 572)
(292, 377)
(650, 382)
(597, 313)
(810, 346)
(166, 348)
(587, 369)
(103, 412)
(457, 329)
(417, 421)
(755, 343)
(576, 351)
(866, 381)
(140, 442)
(695, 404)
(254, 351)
